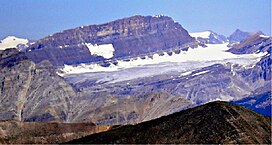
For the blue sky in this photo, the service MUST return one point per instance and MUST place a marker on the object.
(36, 19)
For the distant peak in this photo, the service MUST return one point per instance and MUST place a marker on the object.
(259, 33)
(238, 30)
(11, 42)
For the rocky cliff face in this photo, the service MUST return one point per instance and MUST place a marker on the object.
(31, 92)
(129, 37)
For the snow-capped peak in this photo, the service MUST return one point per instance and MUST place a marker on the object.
(209, 37)
(12, 42)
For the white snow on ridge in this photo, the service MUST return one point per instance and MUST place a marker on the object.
(213, 53)
(185, 73)
(158, 16)
(263, 36)
(11, 42)
(204, 34)
(199, 73)
(105, 50)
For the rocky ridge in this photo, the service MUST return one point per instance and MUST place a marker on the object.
(14, 132)
(215, 122)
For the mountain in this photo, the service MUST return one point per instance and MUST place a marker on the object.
(254, 43)
(125, 89)
(24, 83)
(12, 42)
(126, 37)
(30, 91)
(215, 122)
(15, 132)
(209, 37)
(238, 36)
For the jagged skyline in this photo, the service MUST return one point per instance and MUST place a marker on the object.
(36, 19)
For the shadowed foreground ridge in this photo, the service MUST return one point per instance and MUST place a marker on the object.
(215, 122)
(15, 132)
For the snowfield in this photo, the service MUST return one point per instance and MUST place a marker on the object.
(212, 54)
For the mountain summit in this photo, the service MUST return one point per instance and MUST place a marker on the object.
(239, 35)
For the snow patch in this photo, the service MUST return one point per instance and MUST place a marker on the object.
(263, 36)
(105, 50)
(185, 73)
(226, 98)
(199, 73)
(12, 42)
(222, 98)
(204, 34)
(158, 16)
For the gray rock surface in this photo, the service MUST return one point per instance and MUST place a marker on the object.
(32, 92)
(238, 36)
(129, 36)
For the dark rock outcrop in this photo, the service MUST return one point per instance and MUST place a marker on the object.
(129, 37)
(216, 122)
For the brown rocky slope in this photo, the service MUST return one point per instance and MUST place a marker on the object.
(215, 122)
(14, 132)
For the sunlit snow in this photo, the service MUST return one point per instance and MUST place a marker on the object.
(105, 50)
(263, 36)
(213, 53)
(204, 34)
(199, 73)
(11, 42)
